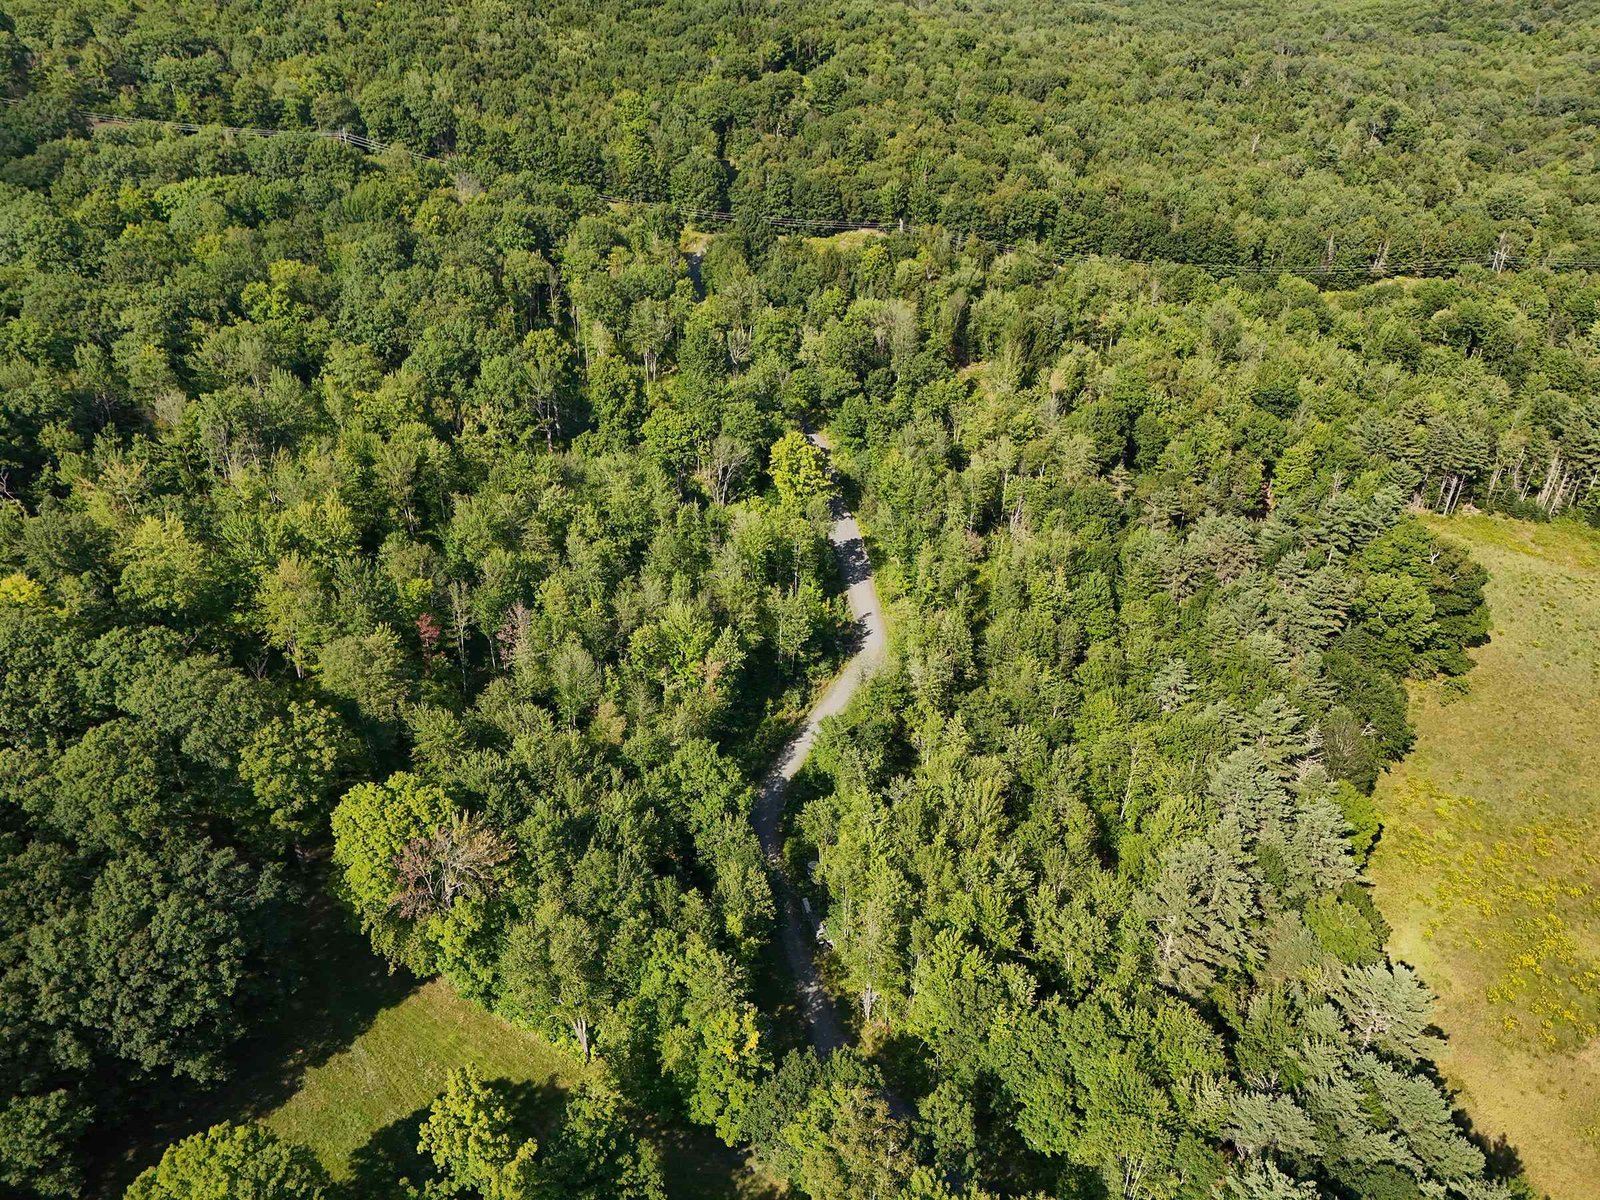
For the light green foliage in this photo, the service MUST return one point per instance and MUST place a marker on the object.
(372, 824)
(706, 1034)
(239, 1162)
(292, 608)
(1261, 1180)
(168, 573)
(369, 672)
(799, 617)
(321, 463)
(1388, 1008)
(844, 1143)
(16, 588)
(468, 1135)
(553, 973)
(616, 397)
(576, 680)
(799, 470)
(596, 1155)
(471, 1137)
(1398, 612)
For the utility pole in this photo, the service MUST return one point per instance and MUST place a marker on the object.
(1502, 252)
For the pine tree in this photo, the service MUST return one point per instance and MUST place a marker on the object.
(1201, 910)
(1387, 1008)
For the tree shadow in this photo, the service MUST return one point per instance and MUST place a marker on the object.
(696, 1166)
(535, 1105)
(1502, 1161)
(387, 1157)
(906, 1065)
(339, 991)
(334, 991)
(391, 1154)
(847, 488)
(855, 566)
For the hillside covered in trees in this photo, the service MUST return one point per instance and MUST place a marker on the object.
(417, 524)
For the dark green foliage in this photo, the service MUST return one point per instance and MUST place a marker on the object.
(172, 947)
(37, 1136)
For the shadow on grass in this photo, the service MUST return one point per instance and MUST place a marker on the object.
(391, 1155)
(1502, 1162)
(336, 990)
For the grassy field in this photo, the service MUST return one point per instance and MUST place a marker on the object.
(359, 1108)
(1489, 863)
(389, 1074)
(355, 1059)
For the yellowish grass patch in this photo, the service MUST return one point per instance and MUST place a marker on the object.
(1489, 864)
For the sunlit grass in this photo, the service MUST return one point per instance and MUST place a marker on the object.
(396, 1068)
(358, 1110)
(1489, 864)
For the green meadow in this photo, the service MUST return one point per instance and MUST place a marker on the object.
(1490, 856)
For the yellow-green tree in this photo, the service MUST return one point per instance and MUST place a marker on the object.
(799, 470)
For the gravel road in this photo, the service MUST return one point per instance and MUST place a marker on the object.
(798, 930)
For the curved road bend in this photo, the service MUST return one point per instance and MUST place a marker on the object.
(797, 932)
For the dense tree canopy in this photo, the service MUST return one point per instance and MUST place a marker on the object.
(432, 528)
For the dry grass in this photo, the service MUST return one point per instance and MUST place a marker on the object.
(845, 241)
(1490, 859)
(694, 241)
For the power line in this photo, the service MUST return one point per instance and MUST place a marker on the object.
(1437, 266)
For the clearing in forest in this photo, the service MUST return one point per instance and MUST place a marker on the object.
(368, 1098)
(358, 1110)
(1489, 863)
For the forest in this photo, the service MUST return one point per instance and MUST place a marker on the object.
(406, 522)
